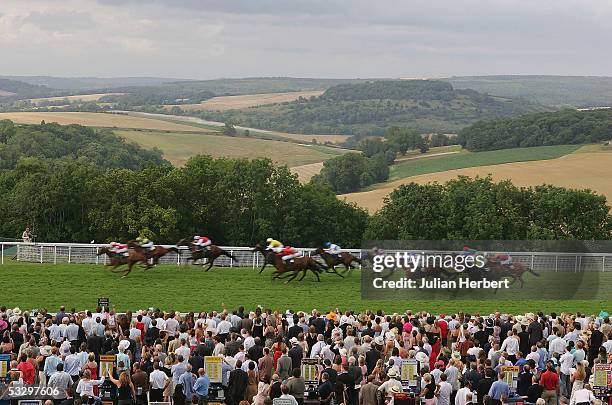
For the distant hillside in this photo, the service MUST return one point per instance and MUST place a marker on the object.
(565, 91)
(371, 107)
(16, 89)
(87, 83)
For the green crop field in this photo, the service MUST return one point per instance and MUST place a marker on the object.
(189, 288)
(178, 147)
(468, 159)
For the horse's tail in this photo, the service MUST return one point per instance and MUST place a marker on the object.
(228, 254)
(173, 249)
(358, 260)
(530, 270)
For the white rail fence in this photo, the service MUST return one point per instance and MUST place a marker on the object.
(58, 253)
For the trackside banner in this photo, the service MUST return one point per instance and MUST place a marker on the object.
(486, 270)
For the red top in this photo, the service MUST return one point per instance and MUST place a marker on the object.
(27, 371)
(443, 328)
(549, 380)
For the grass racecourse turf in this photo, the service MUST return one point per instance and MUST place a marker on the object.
(189, 288)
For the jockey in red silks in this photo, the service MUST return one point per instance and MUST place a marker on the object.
(201, 242)
(289, 253)
(119, 249)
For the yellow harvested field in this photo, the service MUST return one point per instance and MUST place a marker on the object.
(78, 97)
(97, 120)
(306, 172)
(223, 103)
(578, 170)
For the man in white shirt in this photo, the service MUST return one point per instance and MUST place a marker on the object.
(88, 323)
(72, 331)
(557, 345)
(583, 396)
(158, 381)
(510, 346)
(248, 339)
(55, 333)
(223, 327)
(566, 362)
(184, 351)
(171, 325)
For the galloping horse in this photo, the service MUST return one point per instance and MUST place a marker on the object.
(211, 254)
(302, 264)
(332, 261)
(134, 256)
(157, 253)
(267, 254)
(515, 272)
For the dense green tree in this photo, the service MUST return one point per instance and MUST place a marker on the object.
(554, 128)
(478, 208)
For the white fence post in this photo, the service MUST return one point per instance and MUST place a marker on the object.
(69, 253)
(41, 253)
(55, 254)
(3, 253)
(231, 258)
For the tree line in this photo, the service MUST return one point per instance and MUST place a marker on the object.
(565, 127)
(352, 172)
(99, 147)
(480, 209)
(70, 198)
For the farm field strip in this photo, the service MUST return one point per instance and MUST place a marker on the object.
(223, 103)
(96, 120)
(578, 170)
(178, 147)
(74, 98)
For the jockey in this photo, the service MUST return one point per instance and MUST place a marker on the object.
(289, 253)
(274, 245)
(468, 251)
(505, 260)
(145, 243)
(201, 241)
(119, 249)
(332, 249)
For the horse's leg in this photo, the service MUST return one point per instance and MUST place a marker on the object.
(263, 267)
(210, 264)
(293, 276)
(128, 270)
(316, 273)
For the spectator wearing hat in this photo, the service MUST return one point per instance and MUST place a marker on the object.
(295, 353)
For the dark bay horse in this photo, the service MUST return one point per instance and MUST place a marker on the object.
(211, 254)
(157, 253)
(267, 255)
(134, 256)
(346, 259)
(299, 264)
(515, 272)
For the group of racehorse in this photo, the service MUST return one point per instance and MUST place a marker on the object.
(493, 270)
(291, 269)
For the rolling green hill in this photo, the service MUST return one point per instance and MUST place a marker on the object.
(371, 107)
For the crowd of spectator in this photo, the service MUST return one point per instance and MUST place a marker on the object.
(160, 356)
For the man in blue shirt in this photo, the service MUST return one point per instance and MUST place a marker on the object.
(500, 390)
(201, 387)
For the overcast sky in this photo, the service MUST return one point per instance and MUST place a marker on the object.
(305, 38)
